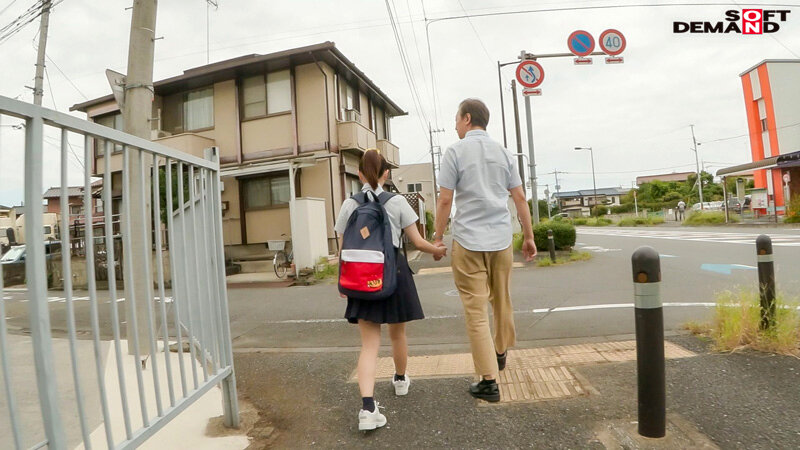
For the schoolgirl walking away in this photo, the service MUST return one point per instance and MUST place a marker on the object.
(379, 293)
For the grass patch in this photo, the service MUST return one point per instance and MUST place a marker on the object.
(325, 270)
(544, 259)
(699, 218)
(640, 221)
(736, 325)
(599, 222)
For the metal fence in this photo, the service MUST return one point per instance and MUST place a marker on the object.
(112, 402)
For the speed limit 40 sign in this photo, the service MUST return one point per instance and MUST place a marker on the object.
(612, 42)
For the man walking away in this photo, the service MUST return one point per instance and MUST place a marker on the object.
(481, 174)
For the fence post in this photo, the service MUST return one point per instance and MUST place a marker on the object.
(551, 245)
(649, 314)
(766, 280)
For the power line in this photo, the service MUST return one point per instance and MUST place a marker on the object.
(755, 133)
(50, 88)
(31, 14)
(404, 55)
(409, 76)
(67, 78)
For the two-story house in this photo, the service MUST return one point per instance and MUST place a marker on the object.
(309, 111)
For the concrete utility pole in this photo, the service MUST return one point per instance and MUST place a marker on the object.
(433, 169)
(38, 87)
(137, 112)
(697, 161)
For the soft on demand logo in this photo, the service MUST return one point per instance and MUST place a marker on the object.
(746, 21)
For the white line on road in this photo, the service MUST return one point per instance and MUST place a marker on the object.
(531, 311)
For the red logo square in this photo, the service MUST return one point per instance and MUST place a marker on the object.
(752, 21)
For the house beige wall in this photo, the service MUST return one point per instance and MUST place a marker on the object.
(310, 97)
(270, 134)
(268, 224)
(226, 115)
(416, 173)
(231, 219)
(316, 182)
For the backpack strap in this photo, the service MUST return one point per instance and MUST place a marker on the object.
(385, 197)
(360, 197)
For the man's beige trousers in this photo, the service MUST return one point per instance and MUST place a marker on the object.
(483, 278)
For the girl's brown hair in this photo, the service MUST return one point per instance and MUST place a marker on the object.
(372, 166)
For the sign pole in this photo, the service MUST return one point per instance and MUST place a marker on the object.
(534, 197)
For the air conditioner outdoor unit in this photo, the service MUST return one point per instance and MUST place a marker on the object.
(352, 115)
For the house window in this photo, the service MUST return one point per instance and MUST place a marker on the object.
(98, 206)
(417, 187)
(763, 124)
(353, 185)
(263, 95)
(266, 192)
(349, 99)
(111, 121)
(198, 109)
(380, 124)
(75, 210)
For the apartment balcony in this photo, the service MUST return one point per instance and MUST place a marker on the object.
(355, 137)
(191, 143)
(389, 151)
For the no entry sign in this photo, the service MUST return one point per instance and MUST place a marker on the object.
(580, 43)
(530, 74)
(612, 42)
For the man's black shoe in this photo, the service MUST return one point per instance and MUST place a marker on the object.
(485, 390)
(501, 360)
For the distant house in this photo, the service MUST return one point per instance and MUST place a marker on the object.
(579, 203)
(666, 177)
(307, 111)
(416, 178)
(75, 200)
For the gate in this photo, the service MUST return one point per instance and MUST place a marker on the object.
(89, 390)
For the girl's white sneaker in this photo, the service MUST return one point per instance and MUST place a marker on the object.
(401, 386)
(370, 420)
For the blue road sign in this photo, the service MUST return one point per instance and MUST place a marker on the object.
(580, 43)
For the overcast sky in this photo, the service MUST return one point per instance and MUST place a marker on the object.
(635, 115)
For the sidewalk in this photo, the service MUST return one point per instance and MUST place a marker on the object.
(742, 400)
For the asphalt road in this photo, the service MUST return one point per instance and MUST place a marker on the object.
(585, 299)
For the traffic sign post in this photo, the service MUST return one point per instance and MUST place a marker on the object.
(612, 42)
(530, 74)
(581, 44)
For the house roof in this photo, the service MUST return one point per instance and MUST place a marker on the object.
(768, 61)
(254, 63)
(5, 207)
(590, 192)
(72, 191)
(55, 192)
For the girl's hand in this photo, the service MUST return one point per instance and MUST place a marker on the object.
(441, 250)
(342, 295)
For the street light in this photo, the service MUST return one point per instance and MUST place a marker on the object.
(594, 182)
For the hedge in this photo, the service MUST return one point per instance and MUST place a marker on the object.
(563, 235)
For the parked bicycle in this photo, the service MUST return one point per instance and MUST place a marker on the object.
(282, 261)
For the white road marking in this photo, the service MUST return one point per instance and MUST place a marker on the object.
(780, 240)
(531, 311)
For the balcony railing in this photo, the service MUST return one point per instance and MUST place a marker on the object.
(355, 136)
(390, 152)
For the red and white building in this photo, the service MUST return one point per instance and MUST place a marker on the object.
(772, 103)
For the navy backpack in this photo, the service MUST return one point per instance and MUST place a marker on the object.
(368, 262)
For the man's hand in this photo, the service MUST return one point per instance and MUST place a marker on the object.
(529, 250)
(442, 251)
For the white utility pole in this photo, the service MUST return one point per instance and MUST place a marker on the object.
(137, 112)
(38, 86)
(697, 161)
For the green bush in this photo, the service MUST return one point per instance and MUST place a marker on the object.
(563, 235)
(698, 218)
(580, 221)
(640, 221)
(793, 213)
(623, 208)
(599, 210)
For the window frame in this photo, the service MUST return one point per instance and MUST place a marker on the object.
(264, 76)
(184, 106)
(99, 144)
(268, 177)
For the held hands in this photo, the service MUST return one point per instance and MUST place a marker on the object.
(441, 250)
(529, 250)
